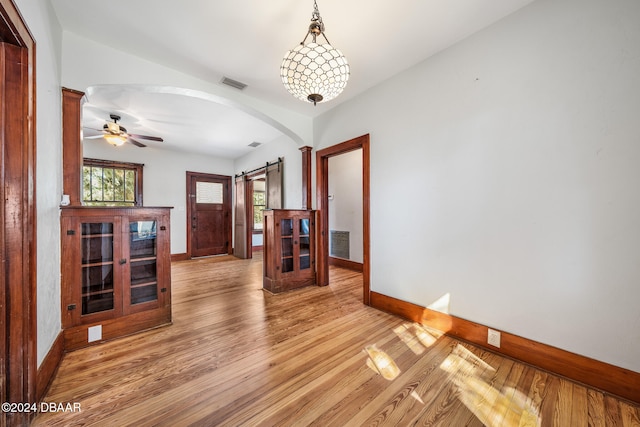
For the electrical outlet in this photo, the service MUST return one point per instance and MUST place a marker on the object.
(493, 338)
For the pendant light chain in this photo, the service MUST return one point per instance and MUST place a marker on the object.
(315, 17)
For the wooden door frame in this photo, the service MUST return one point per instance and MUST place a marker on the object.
(248, 203)
(18, 229)
(322, 205)
(228, 196)
(248, 195)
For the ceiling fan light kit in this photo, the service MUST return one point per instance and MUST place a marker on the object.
(315, 72)
(115, 140)
(117, 135)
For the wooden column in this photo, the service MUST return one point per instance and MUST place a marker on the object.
(306, 177)
(72, 145)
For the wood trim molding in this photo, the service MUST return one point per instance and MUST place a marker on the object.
(322, 205)
(346, 263)
(18, 286)
(306, 177)
(49, 366)
(609, 378)
(179, 257)
(72, 145)
(76, 337)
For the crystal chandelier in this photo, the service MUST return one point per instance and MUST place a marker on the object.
(314, 72)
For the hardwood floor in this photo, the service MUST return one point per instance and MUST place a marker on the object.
(237, 355)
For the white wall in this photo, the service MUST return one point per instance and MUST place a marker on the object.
(45, 29)
(506, 168)
(164, 178)
(345, 200)
(292, 174)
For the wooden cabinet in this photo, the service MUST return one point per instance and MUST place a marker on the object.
(289, 249)
(116, 272)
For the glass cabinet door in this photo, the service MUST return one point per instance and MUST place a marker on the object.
(305, 245)
(143, 247)
(286, 234)
(97, 267)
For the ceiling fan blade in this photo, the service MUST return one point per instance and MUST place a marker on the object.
(151, 138)
(93, 137)
(136, 143)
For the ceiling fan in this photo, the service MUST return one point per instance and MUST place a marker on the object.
(117, 135)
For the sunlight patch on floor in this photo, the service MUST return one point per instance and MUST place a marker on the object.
(494, 408)
(417, 397)
(417, 337)
(381, 363)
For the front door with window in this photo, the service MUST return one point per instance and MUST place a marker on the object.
(208, 214)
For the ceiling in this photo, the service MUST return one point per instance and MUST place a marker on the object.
(246, 40)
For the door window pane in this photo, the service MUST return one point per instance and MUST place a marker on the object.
(208, 192)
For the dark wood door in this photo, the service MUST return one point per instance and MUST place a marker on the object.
(243, 218)
(208, 214)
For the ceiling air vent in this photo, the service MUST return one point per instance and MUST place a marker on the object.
(255, 144)
(233, 83)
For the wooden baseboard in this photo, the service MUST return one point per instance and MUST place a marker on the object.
(49, 366)
(179, 257)
(346, 263)
(609, 378)
(75, 337)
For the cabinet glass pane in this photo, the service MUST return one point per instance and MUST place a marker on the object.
(287, 265)
(97, 303)
(286, 226)
(304, 227)
(305, 262)
(97, 267)
(142, 239)
(90, 228)
(143, 272)
(144, 281)
(305, 245)
(144, 294)
(142, 251)
(97, 242)
(287, 247)
(97, 288)
(286, 232)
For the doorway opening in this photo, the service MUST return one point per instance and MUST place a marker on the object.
(322, 204)
(345, 210)
(256, 190)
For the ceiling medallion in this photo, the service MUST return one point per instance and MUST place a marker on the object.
(314, 72)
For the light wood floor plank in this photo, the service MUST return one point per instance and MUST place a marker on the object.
(595, 408)
(238, 356)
